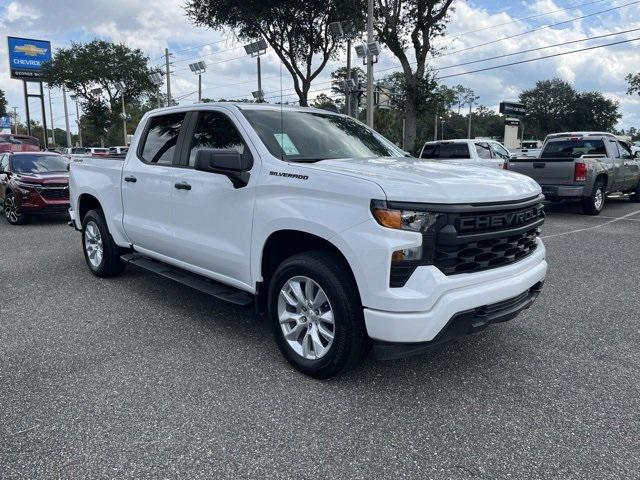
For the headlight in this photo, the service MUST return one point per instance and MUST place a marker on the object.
(27, 185)
(412, 220)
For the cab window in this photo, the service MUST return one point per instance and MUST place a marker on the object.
(625, 150)
(483, 150)
(159, 144)
(499, 151)
(215, 130)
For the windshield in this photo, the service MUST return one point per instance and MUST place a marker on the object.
(38, 163)
(574, 148)
(299, 136)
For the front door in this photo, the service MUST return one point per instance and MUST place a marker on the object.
(212, 218)
(147, 184)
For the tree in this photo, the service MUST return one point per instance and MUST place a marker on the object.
(325, 102)
(296, 30)
(411, 24)
(3, 104)
(94, 71)
(555, 106)
(634, 83)
(340, 75)
(550, 106)
(595, 112)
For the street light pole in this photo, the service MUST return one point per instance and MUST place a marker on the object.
(259, 79)
(53, 132)
(15, 120)
(469, 127)
(168, 73)
(124, 119)
(75, 99)
(255, 49)
(66, 116)
(370, 102)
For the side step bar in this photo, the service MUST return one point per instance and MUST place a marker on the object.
(205, 285)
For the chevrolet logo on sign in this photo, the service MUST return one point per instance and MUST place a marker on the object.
(30, 50)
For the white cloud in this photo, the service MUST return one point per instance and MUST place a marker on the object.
(20, 12)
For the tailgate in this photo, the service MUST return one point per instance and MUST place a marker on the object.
(549, 171)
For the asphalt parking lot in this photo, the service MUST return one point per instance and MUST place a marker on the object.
(138, 377)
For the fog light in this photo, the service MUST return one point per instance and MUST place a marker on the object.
(407, 255)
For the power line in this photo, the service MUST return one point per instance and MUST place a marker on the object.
(541, 58)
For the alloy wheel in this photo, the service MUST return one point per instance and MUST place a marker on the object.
(11, 210)
(93, 244)
(306, 317)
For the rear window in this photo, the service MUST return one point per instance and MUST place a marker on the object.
(573, 148)
(161, 139)
(446, 151)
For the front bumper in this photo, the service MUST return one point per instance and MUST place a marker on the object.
(453, 295)
(462, 324)
(562, 191)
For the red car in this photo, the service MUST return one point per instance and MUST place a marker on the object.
(18, 143)
(33, 183)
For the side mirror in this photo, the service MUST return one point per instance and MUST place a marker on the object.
(227, 162)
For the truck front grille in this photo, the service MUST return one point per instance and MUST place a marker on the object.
(474, 256)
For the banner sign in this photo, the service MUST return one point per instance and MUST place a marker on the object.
(511, 108)
(26, 57)
(5, 123)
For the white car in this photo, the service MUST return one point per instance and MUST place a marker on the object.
(340, 240)
(118, 150)
(481, 152)
(529, 148)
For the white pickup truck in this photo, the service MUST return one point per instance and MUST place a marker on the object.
(343, 242)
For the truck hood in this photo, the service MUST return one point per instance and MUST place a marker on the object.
(417, 180)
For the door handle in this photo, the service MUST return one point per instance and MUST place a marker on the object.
(539, 164)
(183, 186)
(130, 179)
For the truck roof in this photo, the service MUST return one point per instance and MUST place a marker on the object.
(579, 134)
(242, 106)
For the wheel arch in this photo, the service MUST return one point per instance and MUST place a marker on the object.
(282, 244)
(87, 202)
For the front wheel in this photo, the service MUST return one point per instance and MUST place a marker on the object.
(100, 251)
(12, 211)
(594, 203)
(316, 314)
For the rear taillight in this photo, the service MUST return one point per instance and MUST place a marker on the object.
(580, 174)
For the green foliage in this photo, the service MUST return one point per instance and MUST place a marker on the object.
(634, 83)
(83, 68)
(325, 102)
(555, 106)
(296, 30)
(3, 104)
(340, 75)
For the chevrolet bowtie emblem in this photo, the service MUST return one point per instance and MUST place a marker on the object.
(30, 50)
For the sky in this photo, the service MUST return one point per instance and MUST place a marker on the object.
(476, 30)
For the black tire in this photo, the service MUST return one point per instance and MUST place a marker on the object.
(350, 342)
(12, 213)
(590, 204)
(110, 264)
(635, 196)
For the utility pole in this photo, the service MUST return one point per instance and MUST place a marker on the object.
(15, 120)
(66, 116)
(347, 103)
(199, 87)
(435, 128)
(53, 131)
(469, 128)
(370, 65)
(75, 99)
(168, 73)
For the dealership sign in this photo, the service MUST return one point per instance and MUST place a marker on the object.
(511, 108)
(5, 123)
(26, 57)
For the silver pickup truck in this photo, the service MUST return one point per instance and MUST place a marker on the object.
(585, 166)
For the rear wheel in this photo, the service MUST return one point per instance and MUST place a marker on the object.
(316, 314)
(594, 203)
(100, 251)
(12, 211)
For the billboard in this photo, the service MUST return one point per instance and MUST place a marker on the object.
(5, 123)
(26, 57)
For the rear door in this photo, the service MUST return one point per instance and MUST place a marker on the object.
(147, 184)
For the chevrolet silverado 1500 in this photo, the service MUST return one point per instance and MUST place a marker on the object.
(321, 222)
